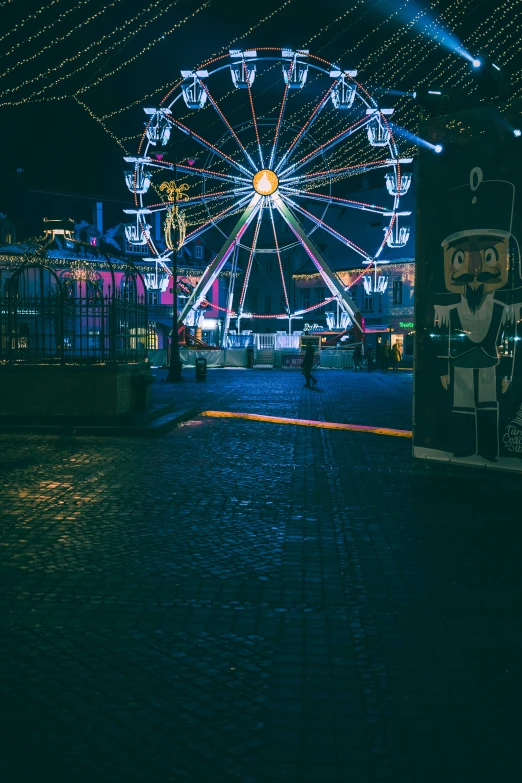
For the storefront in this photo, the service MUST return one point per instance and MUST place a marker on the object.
(402, 331)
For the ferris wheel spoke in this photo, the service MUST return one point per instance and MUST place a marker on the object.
(207, 145)
(344, 171)
(250, 262)
(228, 126)
(340, 202)
(306, 127)
(213, 270)
(189, 202)
(209, 174)
(254, 118)
(328, 229)
(278, 126)
(328, 145)
(216, 219)
(276, 243)
(332, 281)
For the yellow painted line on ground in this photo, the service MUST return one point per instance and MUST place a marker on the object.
(325, 425)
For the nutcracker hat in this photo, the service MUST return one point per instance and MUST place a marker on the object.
(482, 207)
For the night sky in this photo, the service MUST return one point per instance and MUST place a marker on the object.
(61, 147)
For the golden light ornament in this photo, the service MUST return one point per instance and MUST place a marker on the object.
(175, 192)
(265, 182)
(175, 222)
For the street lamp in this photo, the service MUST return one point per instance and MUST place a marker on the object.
(175, 375)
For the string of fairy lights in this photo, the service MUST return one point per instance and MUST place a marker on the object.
(115, 45)
(28, 19)
(55, 41)
(399, 52)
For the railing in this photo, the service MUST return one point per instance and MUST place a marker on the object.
(265, 342)
(286, 342)
(240, 340)
(340, 359)
(56, 329)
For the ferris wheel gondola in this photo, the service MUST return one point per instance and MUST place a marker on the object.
(266, 181)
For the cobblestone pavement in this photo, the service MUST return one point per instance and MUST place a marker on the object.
(254, 602)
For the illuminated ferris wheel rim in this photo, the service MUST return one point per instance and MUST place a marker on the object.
(274, 186)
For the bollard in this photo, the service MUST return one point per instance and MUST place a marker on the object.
(201, 369)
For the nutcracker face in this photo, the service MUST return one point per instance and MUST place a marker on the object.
(475, 266)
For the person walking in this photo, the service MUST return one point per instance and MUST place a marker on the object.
(357, 358)
(385, 356)
(370, 357)
(396, 356)
(308, 363)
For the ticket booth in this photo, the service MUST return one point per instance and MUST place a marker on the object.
(310, 339)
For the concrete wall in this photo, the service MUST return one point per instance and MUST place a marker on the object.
(70, 391)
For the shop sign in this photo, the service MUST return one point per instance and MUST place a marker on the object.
(406, 325)
(294, 361)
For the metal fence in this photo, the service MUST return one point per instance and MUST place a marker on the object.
(45, 318)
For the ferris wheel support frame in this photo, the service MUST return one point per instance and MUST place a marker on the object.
(222, 257)
(328, 275)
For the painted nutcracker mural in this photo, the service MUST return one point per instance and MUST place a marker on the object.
(475, 325)
(468, 363)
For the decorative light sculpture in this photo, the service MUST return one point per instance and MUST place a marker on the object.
(398, 235)
(392, 183)
(241, 71)
(295, 73)
(343, 94)
(137, 181)
(194, 93)
(158, 128)
(138, 233)
(378, 132)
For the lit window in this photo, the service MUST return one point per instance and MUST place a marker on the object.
(93, 241)
(397, 292)
(8, 238)
(199, 251)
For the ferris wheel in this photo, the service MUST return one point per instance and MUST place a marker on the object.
(254, 149)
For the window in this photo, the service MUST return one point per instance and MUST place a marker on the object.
(152, 298)
(268, 305)
(8, 238)
(306, 298)
(198, 252)
(93, 241)
(368, 302)
(397, 292)
(93, 339)
(180, 253)
(141, 250)
(320, 294)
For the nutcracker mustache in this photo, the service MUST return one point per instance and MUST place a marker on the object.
(482, 277)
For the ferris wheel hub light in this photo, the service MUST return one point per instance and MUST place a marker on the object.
(265, 182)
